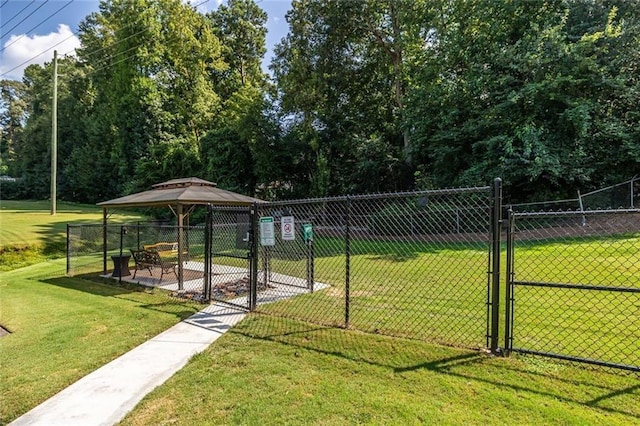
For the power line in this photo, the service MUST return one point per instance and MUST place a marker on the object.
(89, 54)
(16, 15)
(110, 65)
(115, 44)
(42, 22)
(24, 19)
(36, 56)
(93, 52)
(5, 2)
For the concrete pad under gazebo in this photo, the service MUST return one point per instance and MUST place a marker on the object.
(179, 195)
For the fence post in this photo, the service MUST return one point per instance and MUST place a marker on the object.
(68, 251)
(347, 280)
(495, 269)
(122, 232)
(310, 265)
(104, 241)
(508, 318)
(253, 258)
(584, 218)
(207, 254)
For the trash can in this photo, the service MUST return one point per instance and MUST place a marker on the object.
(121, 265)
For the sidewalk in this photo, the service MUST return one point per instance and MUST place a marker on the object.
(105, 396)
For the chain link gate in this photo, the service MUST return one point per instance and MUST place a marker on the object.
(417, 265)
(230, 242)
(573, 286)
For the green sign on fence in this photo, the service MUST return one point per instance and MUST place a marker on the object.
(267, 234)
(307, 232)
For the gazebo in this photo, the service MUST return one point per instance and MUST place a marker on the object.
(180, 195)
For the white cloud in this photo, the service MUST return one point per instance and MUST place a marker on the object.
(23, 50)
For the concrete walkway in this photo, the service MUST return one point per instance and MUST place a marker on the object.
(105, 396)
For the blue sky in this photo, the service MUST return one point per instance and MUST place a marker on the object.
(30, 30)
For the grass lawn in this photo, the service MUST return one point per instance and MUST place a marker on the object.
(29, 234)
(63, 328)
(270, 370)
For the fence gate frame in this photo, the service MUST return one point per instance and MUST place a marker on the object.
(512, 282)
(251, 253)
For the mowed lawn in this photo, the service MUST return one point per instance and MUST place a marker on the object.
(29, 233)
(270, 370)
(274, 370)
(62, 328)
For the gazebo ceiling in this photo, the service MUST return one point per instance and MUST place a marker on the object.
(185, 191)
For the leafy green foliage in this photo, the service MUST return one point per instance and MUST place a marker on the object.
(367, 96)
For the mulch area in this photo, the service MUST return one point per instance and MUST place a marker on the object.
(225, 286)
(221, 289)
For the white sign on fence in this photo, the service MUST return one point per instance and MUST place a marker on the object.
(288, 228)
(267, 234)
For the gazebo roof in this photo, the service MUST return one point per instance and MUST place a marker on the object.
(182, 191)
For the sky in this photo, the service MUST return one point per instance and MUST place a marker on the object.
(30, 30)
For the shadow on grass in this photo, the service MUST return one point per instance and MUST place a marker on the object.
(467, 365)
(156, 300)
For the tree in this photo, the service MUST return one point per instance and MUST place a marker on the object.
(240, 25)
(149, 64)
(341, 76)
(13, 114)
(526, 91)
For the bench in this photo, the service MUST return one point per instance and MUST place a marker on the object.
(160, 255)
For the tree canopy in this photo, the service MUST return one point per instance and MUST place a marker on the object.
(363, 96)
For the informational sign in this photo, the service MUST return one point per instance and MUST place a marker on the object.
(307, 232)
(288, 228)
(267, 234)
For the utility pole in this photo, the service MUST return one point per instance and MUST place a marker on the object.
(54, 134)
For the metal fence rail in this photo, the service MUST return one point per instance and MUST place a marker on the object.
(412, 264)
(422, 265)
(573, 287)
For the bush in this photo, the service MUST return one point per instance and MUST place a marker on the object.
(13, 190)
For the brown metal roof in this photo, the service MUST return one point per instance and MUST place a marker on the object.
(182, 191)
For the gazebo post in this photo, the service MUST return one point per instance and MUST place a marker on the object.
(180, 245)
(104, 240)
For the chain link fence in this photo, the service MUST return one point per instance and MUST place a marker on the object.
(623, 195)
(412, 265)
(573, 288)
(421, 265)
(141, 253)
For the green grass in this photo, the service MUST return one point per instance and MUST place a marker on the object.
(29, 234)
(439, 294)
(63, 328)
(270, 370)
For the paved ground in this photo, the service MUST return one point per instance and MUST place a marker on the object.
(105, 396)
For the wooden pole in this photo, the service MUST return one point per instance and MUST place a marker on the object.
(54, 134)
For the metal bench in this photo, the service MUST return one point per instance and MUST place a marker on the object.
(149, 257)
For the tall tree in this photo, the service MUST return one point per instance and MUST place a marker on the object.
(150, 62)
(13, 114)
(341, 76)
(522, 90)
